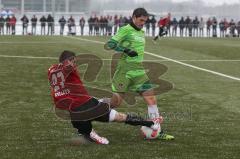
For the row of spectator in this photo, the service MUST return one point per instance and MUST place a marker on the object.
(108, 25)
(195, 27)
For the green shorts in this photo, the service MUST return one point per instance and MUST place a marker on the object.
(133, 80)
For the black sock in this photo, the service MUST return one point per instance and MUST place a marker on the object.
(83, 127)
(137, 120)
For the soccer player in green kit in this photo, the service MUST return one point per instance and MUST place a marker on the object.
(130, 73)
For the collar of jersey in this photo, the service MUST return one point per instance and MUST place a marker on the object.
(134, 26)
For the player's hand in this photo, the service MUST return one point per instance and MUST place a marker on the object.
(130, 52)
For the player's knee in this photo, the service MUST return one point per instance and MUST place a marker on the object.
(115, 104)
(151, 100)
(116, 100)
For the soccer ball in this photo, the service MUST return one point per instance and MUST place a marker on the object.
(149, 133)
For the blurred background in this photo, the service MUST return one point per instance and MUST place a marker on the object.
(222, 10)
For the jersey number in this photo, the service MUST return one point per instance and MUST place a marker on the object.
(57, 81)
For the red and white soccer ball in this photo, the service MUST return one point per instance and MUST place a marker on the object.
(149, 133)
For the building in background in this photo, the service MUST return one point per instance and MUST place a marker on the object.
(40, 7)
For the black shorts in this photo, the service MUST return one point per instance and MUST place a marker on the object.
(92, 110)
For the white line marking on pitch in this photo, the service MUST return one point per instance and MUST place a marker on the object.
(55, 58)
(172, 60)
(28, 57)
(29, 42)
(32, 42)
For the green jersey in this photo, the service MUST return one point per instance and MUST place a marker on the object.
(129, 37)
(130, 73)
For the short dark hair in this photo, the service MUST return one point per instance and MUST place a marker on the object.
(140, 12)
(66, 55)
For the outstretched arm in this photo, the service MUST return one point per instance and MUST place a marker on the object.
(114, 45)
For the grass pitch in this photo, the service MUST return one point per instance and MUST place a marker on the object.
(202, 110)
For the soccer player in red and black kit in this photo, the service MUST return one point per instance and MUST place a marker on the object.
(162, 23)
(69, 94)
